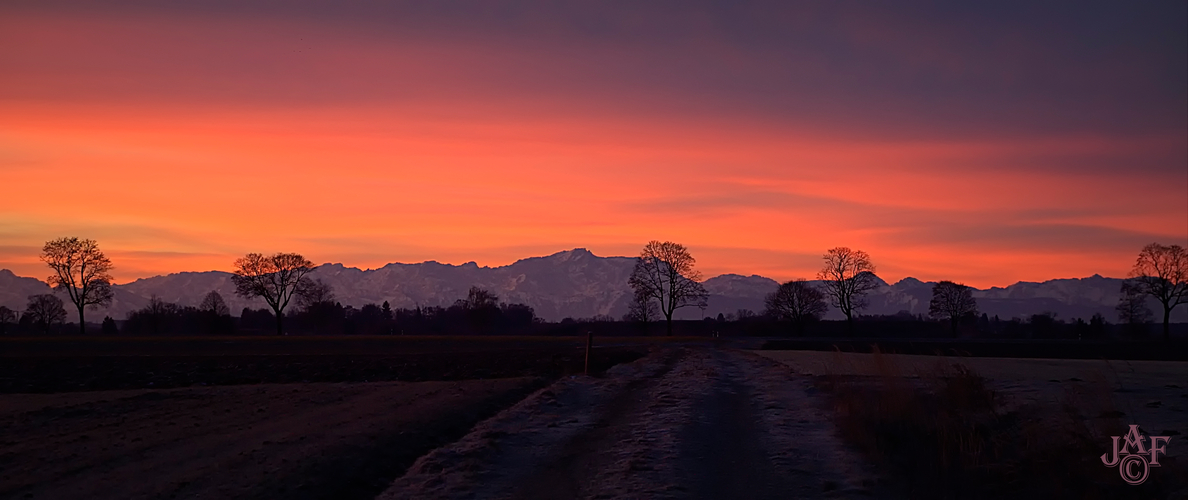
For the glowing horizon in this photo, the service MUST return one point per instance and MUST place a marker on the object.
(184, 137)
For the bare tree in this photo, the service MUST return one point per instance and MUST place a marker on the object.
(317, 301)
(315, 293)
(796, 301)
(480, 308)
(1162, 272)
(159, 307)
(952, 301)
(847, 277)
(45, 310)
(642, 309)
(7, 316)
(276, 278)
(664, 272)
(108, 327)
(81, 270)
(478, 298)
(214, 305)
(156, 318)
(1132, 307)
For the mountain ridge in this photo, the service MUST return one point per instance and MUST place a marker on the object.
(576, 283)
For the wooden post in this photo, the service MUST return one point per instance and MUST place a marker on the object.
(589, 341)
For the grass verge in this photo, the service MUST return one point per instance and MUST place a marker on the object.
(944, 433)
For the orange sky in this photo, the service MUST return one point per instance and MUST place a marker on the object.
(181, 140)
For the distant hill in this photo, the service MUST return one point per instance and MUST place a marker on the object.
(578, 284)
(15, 290)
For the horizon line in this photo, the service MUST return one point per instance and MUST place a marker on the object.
(475, 263)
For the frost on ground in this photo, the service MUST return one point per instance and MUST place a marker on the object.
(680, 423)
(1153, 394)
(288, 441)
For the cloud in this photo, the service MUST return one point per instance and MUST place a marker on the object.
(912, 70)
(943, 138)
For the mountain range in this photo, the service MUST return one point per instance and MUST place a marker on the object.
(578, 284)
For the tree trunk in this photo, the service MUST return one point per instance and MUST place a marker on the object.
(668, 322)
(1166, 323)
(280, 318)
(82, 324)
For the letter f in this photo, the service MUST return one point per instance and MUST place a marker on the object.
(1156, 449)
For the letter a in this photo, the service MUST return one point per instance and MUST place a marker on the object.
(1135, 439)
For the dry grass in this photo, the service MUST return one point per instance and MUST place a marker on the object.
(941, 431)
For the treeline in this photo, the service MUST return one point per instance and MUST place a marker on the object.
(969, 326)
(903, 325)
(480, 313)
(318, 313)
(663, 280)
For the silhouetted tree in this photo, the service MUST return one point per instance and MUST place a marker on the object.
(480, 307)
(276, 278)
(256, 319)
(1097, 326)
(389, 318)
(81, 270)
(796, 301)
(952, 301)
(7, 316)
(315, 292)
(109, 326)
(1044, 325)
(478, 298)
(320, 309)
(518, 315)
(214, 305)
(1132, 307)
(368, 320)
(44, 310)
(847, 277)
(214, 315)
(664, 272)
(156, 318)
(642, 308)
(1162, 272)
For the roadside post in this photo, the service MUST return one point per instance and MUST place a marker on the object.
(589, 341)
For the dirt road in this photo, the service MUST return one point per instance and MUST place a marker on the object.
(681, 423)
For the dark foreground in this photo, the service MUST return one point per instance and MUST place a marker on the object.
(64, 365)
(513, 418)
(1151, 350)
(251, 417)
(347, 441)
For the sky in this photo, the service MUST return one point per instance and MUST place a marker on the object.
(984, 144)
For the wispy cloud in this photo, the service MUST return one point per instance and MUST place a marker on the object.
(985, 142)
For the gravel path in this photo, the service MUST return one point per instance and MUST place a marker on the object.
(680, 423)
